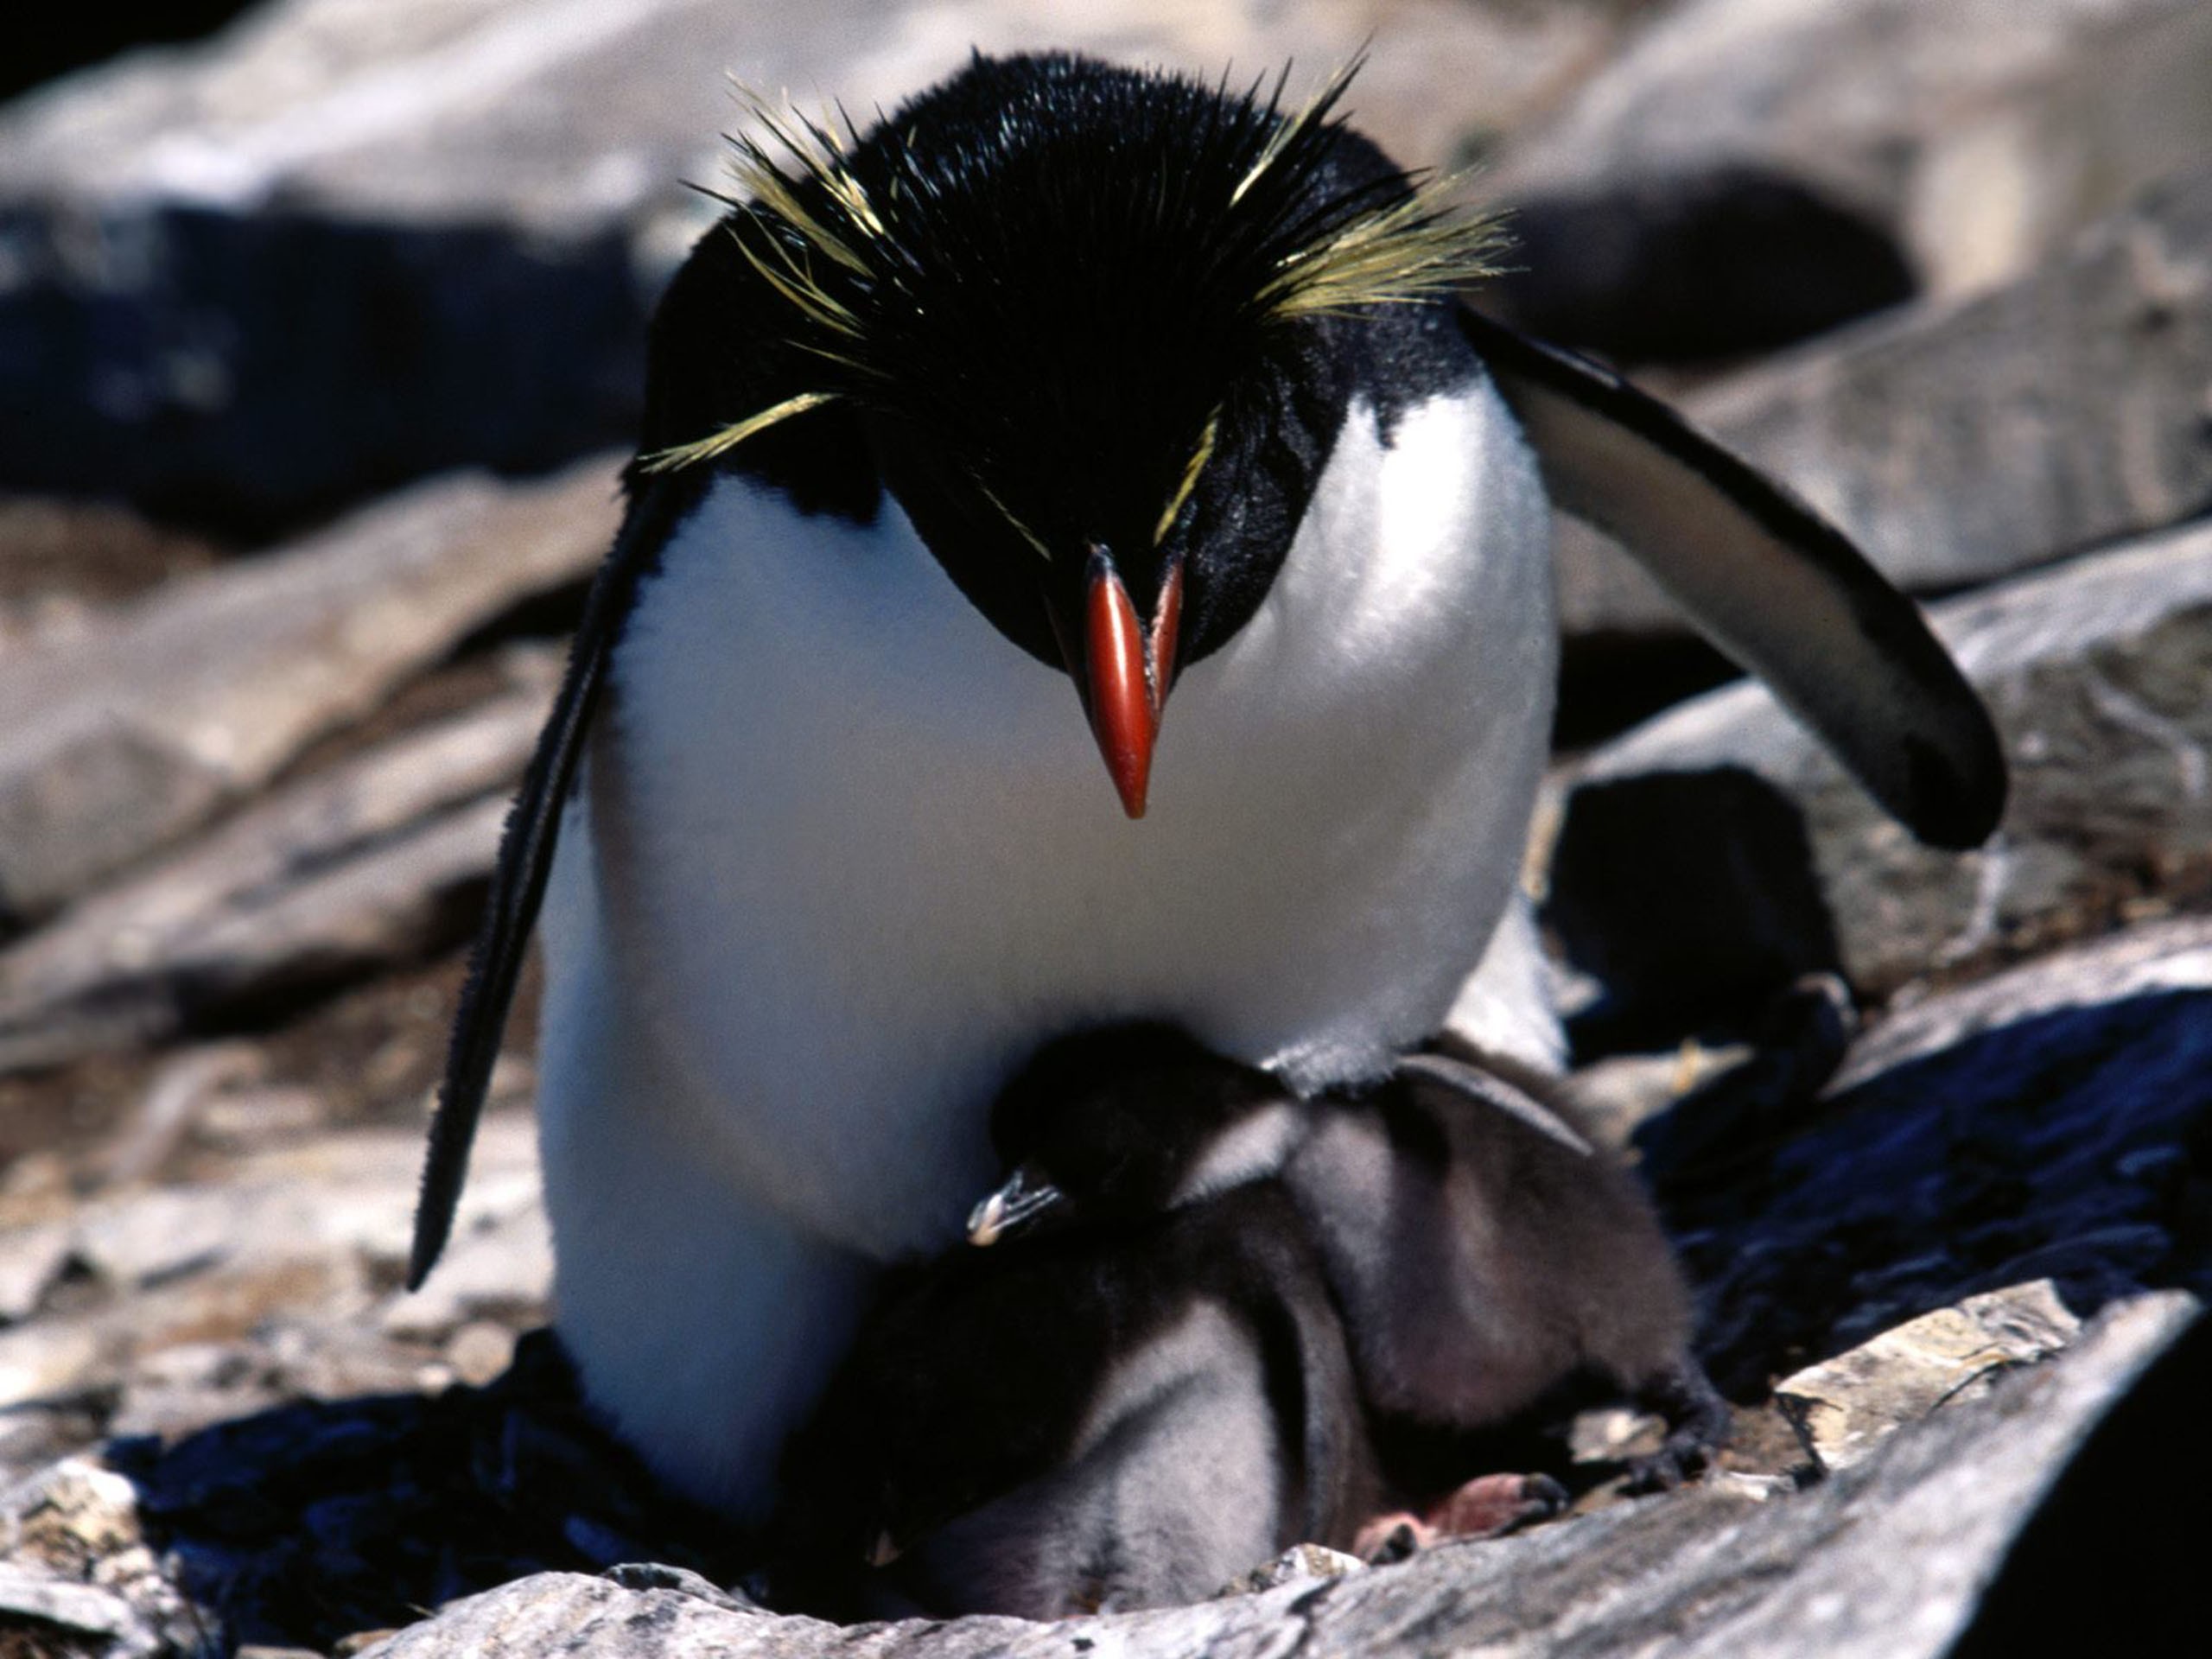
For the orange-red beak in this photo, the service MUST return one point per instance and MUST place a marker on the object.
(1127, 668)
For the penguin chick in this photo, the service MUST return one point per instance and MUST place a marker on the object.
(1142, 1395)
(1486, 1254)
(1489, 1256)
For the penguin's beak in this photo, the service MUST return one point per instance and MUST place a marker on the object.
(1122, 666)
(1025, 1196)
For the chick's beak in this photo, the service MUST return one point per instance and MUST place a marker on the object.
(1022, 1200)
(1123, 666)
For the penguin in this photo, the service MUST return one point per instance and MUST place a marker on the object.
(1486, 1254)
(1493, 1258)
(1073, 413)
(1142, 1391)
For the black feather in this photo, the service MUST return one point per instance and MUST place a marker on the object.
(526, 848)
(1772, 582)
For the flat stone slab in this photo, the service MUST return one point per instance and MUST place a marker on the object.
(1966, 439)
(1885, 1560)
(1982, 133)
(1845, 1407)
(371, 864)
(121, 739)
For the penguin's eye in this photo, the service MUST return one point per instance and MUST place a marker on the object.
(1199, 457)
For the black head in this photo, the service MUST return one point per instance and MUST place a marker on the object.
(1094, 329)
(1113, 1124)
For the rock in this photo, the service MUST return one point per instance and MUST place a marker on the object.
(1964, 440)
(117, 743)
(157, 1234)
(215, 1298)
(1884, 1560)
(170, 1107)
(482, 199)
(308, 884)
(2149, 961)
(1975, 138)
(479, 1351)
(77, 1608)
(654, 1575)
(2054, 1123)
(79, 1573)
(31, 1259)
(2094, 673)
(1300, 1564)
(2094, 1513)
(61, 560)
(44, 1360)
(1845, 1406)
(393, 904)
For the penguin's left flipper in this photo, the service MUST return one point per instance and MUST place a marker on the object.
(526, 847)
(1770, 582)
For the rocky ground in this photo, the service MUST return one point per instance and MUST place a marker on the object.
(339, 313)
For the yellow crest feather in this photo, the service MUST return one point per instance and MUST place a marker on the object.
(816, 212)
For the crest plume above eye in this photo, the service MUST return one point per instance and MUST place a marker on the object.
(1239, 217)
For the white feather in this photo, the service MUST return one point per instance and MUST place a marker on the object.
(844, 855)
(1251, 1149)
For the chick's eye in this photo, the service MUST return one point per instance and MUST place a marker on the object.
(1199, 457)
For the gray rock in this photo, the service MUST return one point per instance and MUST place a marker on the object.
(2094, 673)
(1300, 1564)
(2152, 959)
(1964, 440)
(1885, 1560)
(559, 116)
(118, 742)
(1980, 134)
(171, 1106)
(78, 1608)
(31, 1259)
(482, 197)
(306, 885)
(1845, 1406)
(78, 1571)
(213, 1298)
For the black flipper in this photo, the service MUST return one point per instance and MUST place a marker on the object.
(526, 861)
(1774, 585)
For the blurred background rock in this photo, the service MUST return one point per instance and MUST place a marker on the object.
(320, 329)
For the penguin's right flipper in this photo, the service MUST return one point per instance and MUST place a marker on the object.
(1774, 584)
(526, 861)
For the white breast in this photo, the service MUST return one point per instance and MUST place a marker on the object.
(852, 855)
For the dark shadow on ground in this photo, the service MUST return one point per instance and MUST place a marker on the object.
(2075, 1145)
(306, 1524)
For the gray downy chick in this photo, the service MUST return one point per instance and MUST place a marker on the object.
(1486, 1253)
(1142, 1391)
(1489, 1256)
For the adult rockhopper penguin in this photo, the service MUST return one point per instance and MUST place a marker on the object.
(1073, 413)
